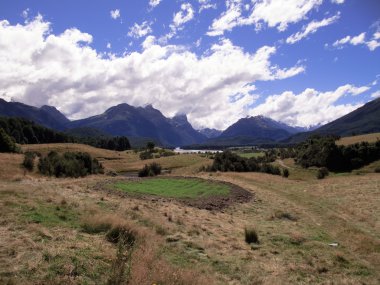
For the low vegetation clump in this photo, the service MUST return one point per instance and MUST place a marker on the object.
(229, 161)
(146, 155)
(251, 235)
(122, 233)
(322, 172)
(152, 169)
(70, 164)
(285, 173)
(284, 216)
(28, 162)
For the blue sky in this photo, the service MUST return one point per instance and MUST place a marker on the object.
(303, 62)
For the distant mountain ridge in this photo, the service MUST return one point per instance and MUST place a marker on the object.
(46, 116)
(210, 133)
(147, 123)
(252, 131)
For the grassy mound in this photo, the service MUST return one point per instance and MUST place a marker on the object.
(175, 187)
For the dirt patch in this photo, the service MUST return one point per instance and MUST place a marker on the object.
(217, 202)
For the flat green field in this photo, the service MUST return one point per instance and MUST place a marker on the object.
(175, 187)
(250, 154)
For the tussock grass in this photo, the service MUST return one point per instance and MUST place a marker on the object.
(251, 235)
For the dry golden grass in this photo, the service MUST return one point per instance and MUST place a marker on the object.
(185, 245)
(11, 168)
(360, 138)
(123, 161)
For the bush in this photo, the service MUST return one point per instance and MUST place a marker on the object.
(146, 155)
(377, 170)
(251, 235)
(285, 173)
(28, 162)
(322, 172)
(70, 164)
(123, 234)
(152, 169)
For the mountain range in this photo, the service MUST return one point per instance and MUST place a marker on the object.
(141, 124)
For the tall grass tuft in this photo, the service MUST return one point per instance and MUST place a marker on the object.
(251, 235)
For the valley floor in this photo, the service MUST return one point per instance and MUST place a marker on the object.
(310, 231)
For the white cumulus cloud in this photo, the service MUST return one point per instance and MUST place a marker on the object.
(205, 5)
(38, 67)
(337, 1)
(372, 44)
(274, 13)
(115, 14)
(184, 15)
(376, 94)
(154, 3)
(310, 107)
(138, 31)
(311, 28)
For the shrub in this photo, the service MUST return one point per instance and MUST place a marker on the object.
(167, 153)
(123, 234)
(152, 169)
(28, 162)
(125, 237)
(322, 172)
(146, 155)
(251, 235)
(377, 170)
(70, 164)
(285, 173)
(285, 216)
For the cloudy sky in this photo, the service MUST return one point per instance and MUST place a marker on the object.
(303, 62)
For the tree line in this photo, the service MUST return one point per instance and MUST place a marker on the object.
(22, 131)
(69, 164)
(229, 161)
(324, 152)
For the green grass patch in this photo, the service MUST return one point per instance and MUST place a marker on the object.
(50, 215)
(174, 187)
(250, 154)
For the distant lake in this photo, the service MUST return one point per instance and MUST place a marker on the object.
(180, 150)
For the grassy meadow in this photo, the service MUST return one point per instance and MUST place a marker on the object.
(310, 231)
